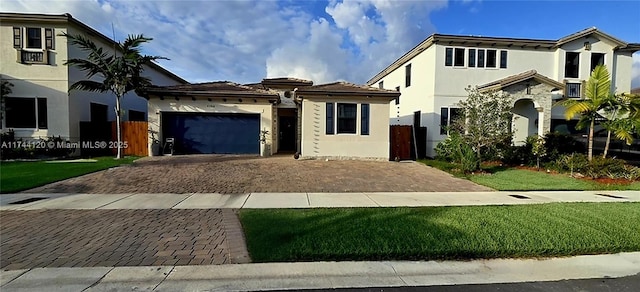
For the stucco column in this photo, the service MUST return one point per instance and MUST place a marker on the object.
(541, 121)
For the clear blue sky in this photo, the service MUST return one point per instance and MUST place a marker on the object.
(245, 41)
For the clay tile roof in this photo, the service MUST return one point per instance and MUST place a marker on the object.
(347, 88)
(288, 79)
(226, 88)
(517, 78)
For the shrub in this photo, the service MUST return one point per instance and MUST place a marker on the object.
(575, 162)
(455, 149)
(558, 144)
(605, 167)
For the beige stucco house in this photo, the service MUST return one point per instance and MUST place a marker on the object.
(338, 120)
(536, 73)
(32, 54)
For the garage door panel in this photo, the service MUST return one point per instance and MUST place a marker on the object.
(213, 133)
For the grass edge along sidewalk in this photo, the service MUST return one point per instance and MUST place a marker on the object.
(441, 233)
(17, 176)
(513, 179)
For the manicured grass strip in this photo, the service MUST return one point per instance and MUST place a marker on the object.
(19, 175)
(529, 180)
(511, 179)
(558, 229)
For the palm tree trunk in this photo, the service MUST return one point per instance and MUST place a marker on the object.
(606, 146)
(118, 130)
(590, 151)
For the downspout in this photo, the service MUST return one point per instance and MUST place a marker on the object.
(298, 102)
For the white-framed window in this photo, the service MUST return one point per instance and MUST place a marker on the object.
(492, 59)
(25, 112)
(342, 118)
(596, 59)
(407, 75)
(572, 65)
(447, 116)
(33, 44)
(471, 58)
(454, 57)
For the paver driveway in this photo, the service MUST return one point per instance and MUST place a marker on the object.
(89, 238)
(247, 174)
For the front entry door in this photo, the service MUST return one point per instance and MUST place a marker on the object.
(287, 134)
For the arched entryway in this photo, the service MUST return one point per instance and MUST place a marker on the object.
(525, 120)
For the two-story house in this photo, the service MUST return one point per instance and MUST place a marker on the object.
(32, 55)
(432, 77)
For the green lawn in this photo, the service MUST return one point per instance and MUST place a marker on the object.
(19, 175)
(512, 179)
(558, 229)
(528, 180)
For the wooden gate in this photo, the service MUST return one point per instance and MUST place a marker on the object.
(135, 134)
(400, 141)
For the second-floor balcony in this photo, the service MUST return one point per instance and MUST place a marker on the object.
(33, 57)
(573, 90)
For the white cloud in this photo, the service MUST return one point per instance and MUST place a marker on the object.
(635, 71)
(246, 41)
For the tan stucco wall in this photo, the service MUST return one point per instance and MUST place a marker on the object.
(38, 80)
(157, 106)
(317, 144)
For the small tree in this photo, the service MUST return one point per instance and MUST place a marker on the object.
(622, 117)
(118, 73)
(5, 89)
(538, 149)
(485, 120)
(598, 97)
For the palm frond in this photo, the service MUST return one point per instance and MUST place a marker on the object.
(598, 87)
(89, 85)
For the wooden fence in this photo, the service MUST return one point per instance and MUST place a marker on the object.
(135, 134)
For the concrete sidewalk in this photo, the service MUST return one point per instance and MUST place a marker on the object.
(271, 276)
(304, 200)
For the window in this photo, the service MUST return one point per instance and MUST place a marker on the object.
(472, 57)
(572, 63)
(381, 85)
(364, 119)
(407, 75)
(136, 116)
(98, 112)
(17, 37)
(26, 112)
(398, 98)
(347, 118)
(596, 59)
(448, 57)
(48, 38)
(42, 113)
(503, 59)
(447, 117)
(459, 58)
(34, 38)
(491, 58)
(480, 58)
(329, 123)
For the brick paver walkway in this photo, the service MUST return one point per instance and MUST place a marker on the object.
(246, 174)
(88, 238)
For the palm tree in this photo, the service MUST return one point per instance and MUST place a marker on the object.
(597, 98)
(119, 72)
(623, 118)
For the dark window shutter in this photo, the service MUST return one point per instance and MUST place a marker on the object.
(364, 119)
(42, 113)
(444, 120)
(49, 38)
(17, 37)
(330, 118)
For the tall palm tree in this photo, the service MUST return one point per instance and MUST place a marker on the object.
(623, 118)
(119, 72)
(597, 98)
